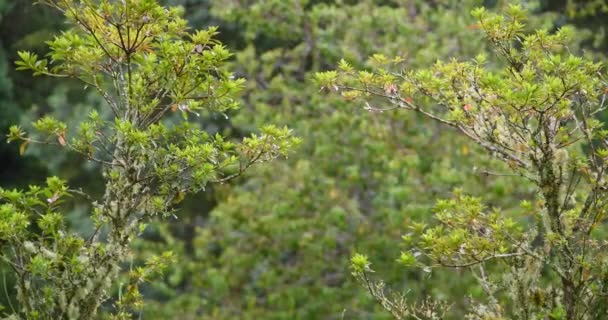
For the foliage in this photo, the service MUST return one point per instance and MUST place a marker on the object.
(276, 246)
(535, 114)
(149, 70)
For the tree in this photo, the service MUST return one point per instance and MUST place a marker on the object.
(154, 76)
(538, 115)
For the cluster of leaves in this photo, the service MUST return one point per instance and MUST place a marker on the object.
(535, 114)
(139, 57)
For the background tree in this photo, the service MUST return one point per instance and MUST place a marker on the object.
(17, 170)
(588, 16)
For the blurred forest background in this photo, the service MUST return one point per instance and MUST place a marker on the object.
(275, 244)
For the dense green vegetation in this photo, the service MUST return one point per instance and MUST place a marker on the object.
(126, 94)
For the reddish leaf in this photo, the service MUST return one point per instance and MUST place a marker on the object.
(61, 139)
